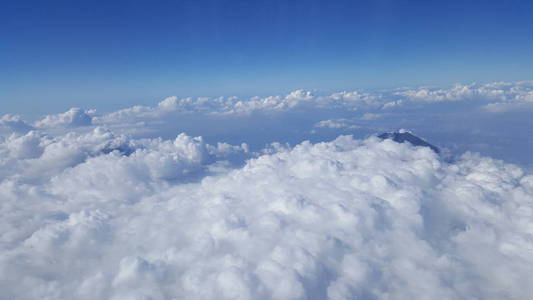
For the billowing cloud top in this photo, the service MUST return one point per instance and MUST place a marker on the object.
(107, 206)
(493, 93)
(72, 118)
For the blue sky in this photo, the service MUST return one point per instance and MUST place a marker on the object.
(111, 54)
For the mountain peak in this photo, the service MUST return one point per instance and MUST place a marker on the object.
(403, 135)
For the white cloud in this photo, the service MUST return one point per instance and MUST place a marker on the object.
(371, 116)
(494, 95)
(220, 112)
(25, 146)
(494, 92)
(299, 99)
(348, 123)
(337, 124)
(71, 118)
(98, 215)
(122, 206)
(456, 116)
(14, 124)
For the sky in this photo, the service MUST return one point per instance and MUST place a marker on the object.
(112, 54)
(234, 150)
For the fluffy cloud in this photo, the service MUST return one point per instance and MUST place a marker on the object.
(492, 118)
(296, 100)
(121, 206)
(493, 97)
(98, 215)
(14, 124)
(498, 92)
(71, 118)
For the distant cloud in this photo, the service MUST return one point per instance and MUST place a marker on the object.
(370, 105)
(72, 118)
(371, 116)
(14, 124)
(337, 123)
(458, 114)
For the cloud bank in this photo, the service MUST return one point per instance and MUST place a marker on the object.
(123, 205)
(99, 216)
(493, 119)
(509, 93)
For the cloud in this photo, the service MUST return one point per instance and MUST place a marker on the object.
(296, 100)
(348, 123)
(100, 215)
(366, 106)
(123, 205)
(371, 116)
(25, 146)
(492, 97)
(497, 91)
(15, 124)
(337, 124)
(462, 117)
(72, 118)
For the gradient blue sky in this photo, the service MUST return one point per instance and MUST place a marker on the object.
(111, 54)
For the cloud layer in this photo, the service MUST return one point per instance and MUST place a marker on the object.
(97, 216)
(124, 205)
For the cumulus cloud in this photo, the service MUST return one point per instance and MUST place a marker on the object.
(296, 100)
(15, 124)
(365, 106)
(74, 117)
(496, 91)
(122, 205)
(494, 97)
(100, 215)
(478, 117)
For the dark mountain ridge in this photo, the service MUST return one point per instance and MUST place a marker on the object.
(403, 136)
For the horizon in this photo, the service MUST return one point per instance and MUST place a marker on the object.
(33, 113)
